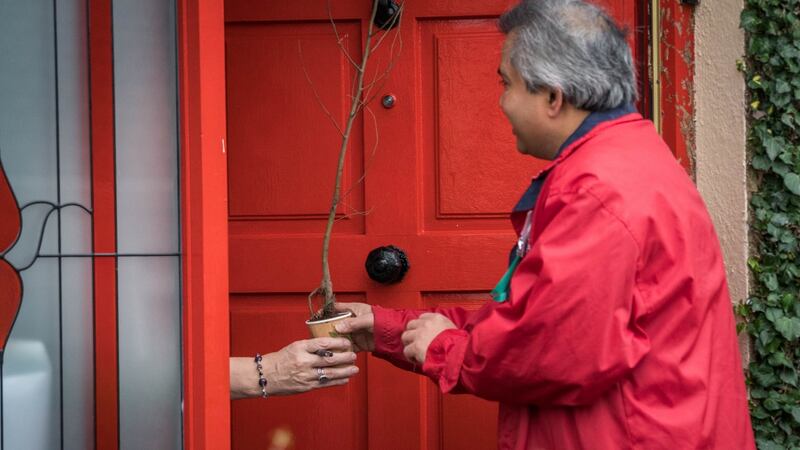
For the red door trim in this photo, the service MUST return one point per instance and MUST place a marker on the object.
(204, 213)
(101, 92)
(676, 46)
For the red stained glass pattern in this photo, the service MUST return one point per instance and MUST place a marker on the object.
(10, 285)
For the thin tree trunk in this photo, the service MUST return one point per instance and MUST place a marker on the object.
(325, 289)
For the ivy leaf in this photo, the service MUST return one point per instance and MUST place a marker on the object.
(792, 182)
(796, 414)
(789, 376)
(761, 414)
(773, 147)
(763, 375)
(760, 162)
(770, 281)
(787, 300)
(771, 404)
(788, 328)
(758, 393)
(774, 314)
(779, 219)
(770, 445)
(779, 359)
(749, 20)
(788, 120)
(788, 52)
(780, 168)
(782, 87)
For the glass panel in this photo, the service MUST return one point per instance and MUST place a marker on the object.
(44, 151)
(147, 223)
(78, 350)
(146, 126)
(25, 250)
(150, 353)
(27, 109)
(30, 384)
(31, 388)
(73, 118)
(77, 319)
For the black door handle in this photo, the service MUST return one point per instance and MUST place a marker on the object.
(387, 265)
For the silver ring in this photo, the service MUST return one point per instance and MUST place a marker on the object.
(321, 376)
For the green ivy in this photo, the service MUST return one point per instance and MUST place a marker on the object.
(771, 316)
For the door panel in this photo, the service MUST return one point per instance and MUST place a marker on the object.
(272, 106)
(314, 418)
(442, 172)
(471, 171)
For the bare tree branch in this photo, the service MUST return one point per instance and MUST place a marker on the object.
(393, 59)
(314, 88)
(367, 98)
(371, 156)
(339, 39)
(354, 214)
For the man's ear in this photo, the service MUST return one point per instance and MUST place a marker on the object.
(555, 102)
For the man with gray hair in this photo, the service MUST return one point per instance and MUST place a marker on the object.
(613, 326)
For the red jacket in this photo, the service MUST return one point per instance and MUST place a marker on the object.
(618, 332)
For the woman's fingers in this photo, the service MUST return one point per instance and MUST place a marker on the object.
(332, 383)
(332, 373)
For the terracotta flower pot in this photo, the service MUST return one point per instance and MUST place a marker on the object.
(325, 327)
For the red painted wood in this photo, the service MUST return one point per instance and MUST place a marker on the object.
(677, 56)
(204, 225)
(103, 217)
(445, 174)
(275, 173)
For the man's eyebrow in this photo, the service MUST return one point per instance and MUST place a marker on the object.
(500, 72)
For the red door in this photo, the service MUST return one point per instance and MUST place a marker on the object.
(439, 185)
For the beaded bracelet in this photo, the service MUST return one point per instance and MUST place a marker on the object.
(261, 380)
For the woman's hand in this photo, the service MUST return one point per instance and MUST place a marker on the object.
(296, 368)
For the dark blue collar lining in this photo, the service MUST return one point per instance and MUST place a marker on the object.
(594, 119)
(528, 199)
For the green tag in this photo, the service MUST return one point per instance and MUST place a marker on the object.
(500, 291)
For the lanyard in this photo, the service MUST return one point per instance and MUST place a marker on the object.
(500, 291)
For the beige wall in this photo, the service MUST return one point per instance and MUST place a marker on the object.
(720, 156)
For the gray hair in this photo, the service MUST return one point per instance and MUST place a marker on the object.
(572, 46)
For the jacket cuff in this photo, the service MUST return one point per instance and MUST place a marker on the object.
(388, 327)
(445, 357)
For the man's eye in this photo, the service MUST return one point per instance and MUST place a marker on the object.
(503, 82)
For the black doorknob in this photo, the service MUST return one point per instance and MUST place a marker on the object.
(387, 265)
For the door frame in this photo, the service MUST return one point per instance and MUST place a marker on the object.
(204, 223)
(671, 62)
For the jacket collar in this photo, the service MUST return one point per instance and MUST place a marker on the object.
(581, 134)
